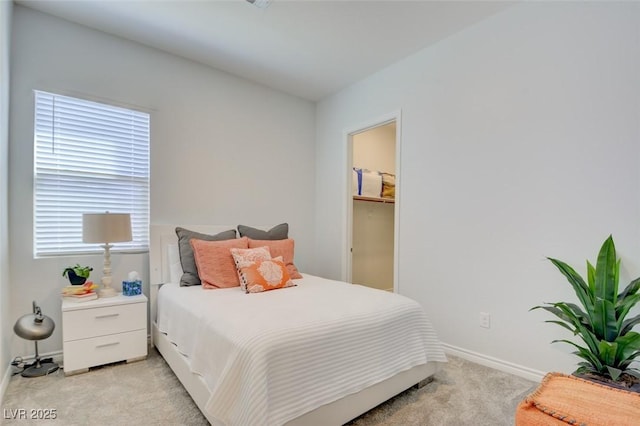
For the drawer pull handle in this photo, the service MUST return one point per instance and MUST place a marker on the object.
(107, 344)
(107, 316)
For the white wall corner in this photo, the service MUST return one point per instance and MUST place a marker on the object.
(6, 14)
(5, 382)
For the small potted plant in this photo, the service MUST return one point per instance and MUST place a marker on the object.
(77, 274)
(600, 320)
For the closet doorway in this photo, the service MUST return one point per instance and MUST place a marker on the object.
(373, 201)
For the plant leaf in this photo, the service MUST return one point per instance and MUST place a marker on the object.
(571, 318)
(605, 325)
(579, 286)
(628, 347)
(624, 306)
(633, 372)
(585, 354)
(614, 372)
(630, 290)
(568, 314)
(580, 314)
(555, 311)
(585, 367)
(624, 365)
(628, 324)
(591, 277)
(585, 333)
(605, 279)
(607, 353)
(616, 280)
(565, 325)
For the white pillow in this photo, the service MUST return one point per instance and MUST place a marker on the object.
(371, 184)
(175, 267)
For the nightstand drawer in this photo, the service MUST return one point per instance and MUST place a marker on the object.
(81, 354)
(85, 323)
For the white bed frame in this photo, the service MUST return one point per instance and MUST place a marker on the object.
(335, 413)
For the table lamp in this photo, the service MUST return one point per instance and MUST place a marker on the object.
(106, 228)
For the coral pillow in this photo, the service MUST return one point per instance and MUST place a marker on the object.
(266, 275)
(247, 257)
(215, 264)
(187, 260)
(282, 248)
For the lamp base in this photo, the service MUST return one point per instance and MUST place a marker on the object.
(107, 292)
(40, 370)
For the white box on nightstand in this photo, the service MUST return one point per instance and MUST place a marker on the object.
(102, 331)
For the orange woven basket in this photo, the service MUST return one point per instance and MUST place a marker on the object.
(561, 399)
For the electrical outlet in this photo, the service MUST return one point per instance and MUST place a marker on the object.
(485, 320)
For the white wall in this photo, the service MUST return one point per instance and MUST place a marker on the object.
(223, 150)
(520, 140)
(6, 325)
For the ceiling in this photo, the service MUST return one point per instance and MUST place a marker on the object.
(309, 49)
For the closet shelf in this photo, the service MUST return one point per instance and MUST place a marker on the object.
(374, 199)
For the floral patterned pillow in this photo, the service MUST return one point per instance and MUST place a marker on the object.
(284, 248)
(265, 275)
(246, 257)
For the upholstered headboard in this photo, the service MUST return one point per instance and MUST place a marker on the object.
(161, 236)
(164, 235)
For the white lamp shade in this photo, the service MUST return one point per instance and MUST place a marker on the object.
(106, 227)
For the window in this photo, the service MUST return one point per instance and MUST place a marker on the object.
(89, 158)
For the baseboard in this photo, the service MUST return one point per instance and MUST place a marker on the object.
(498, 364)
(55, 355)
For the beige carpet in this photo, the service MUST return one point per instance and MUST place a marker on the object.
(147, 393)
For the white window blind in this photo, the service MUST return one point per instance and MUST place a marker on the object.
(89, 158)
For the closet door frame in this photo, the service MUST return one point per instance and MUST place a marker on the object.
(348, 224)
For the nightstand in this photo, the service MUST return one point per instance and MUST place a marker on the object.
(103, 331)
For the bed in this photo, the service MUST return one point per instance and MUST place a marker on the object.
(333, 351)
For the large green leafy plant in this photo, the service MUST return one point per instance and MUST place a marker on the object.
(610, 345)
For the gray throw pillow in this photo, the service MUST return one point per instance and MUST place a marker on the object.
(278, 232)
(188, 262)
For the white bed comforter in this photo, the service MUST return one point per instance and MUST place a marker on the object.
(270, 357)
